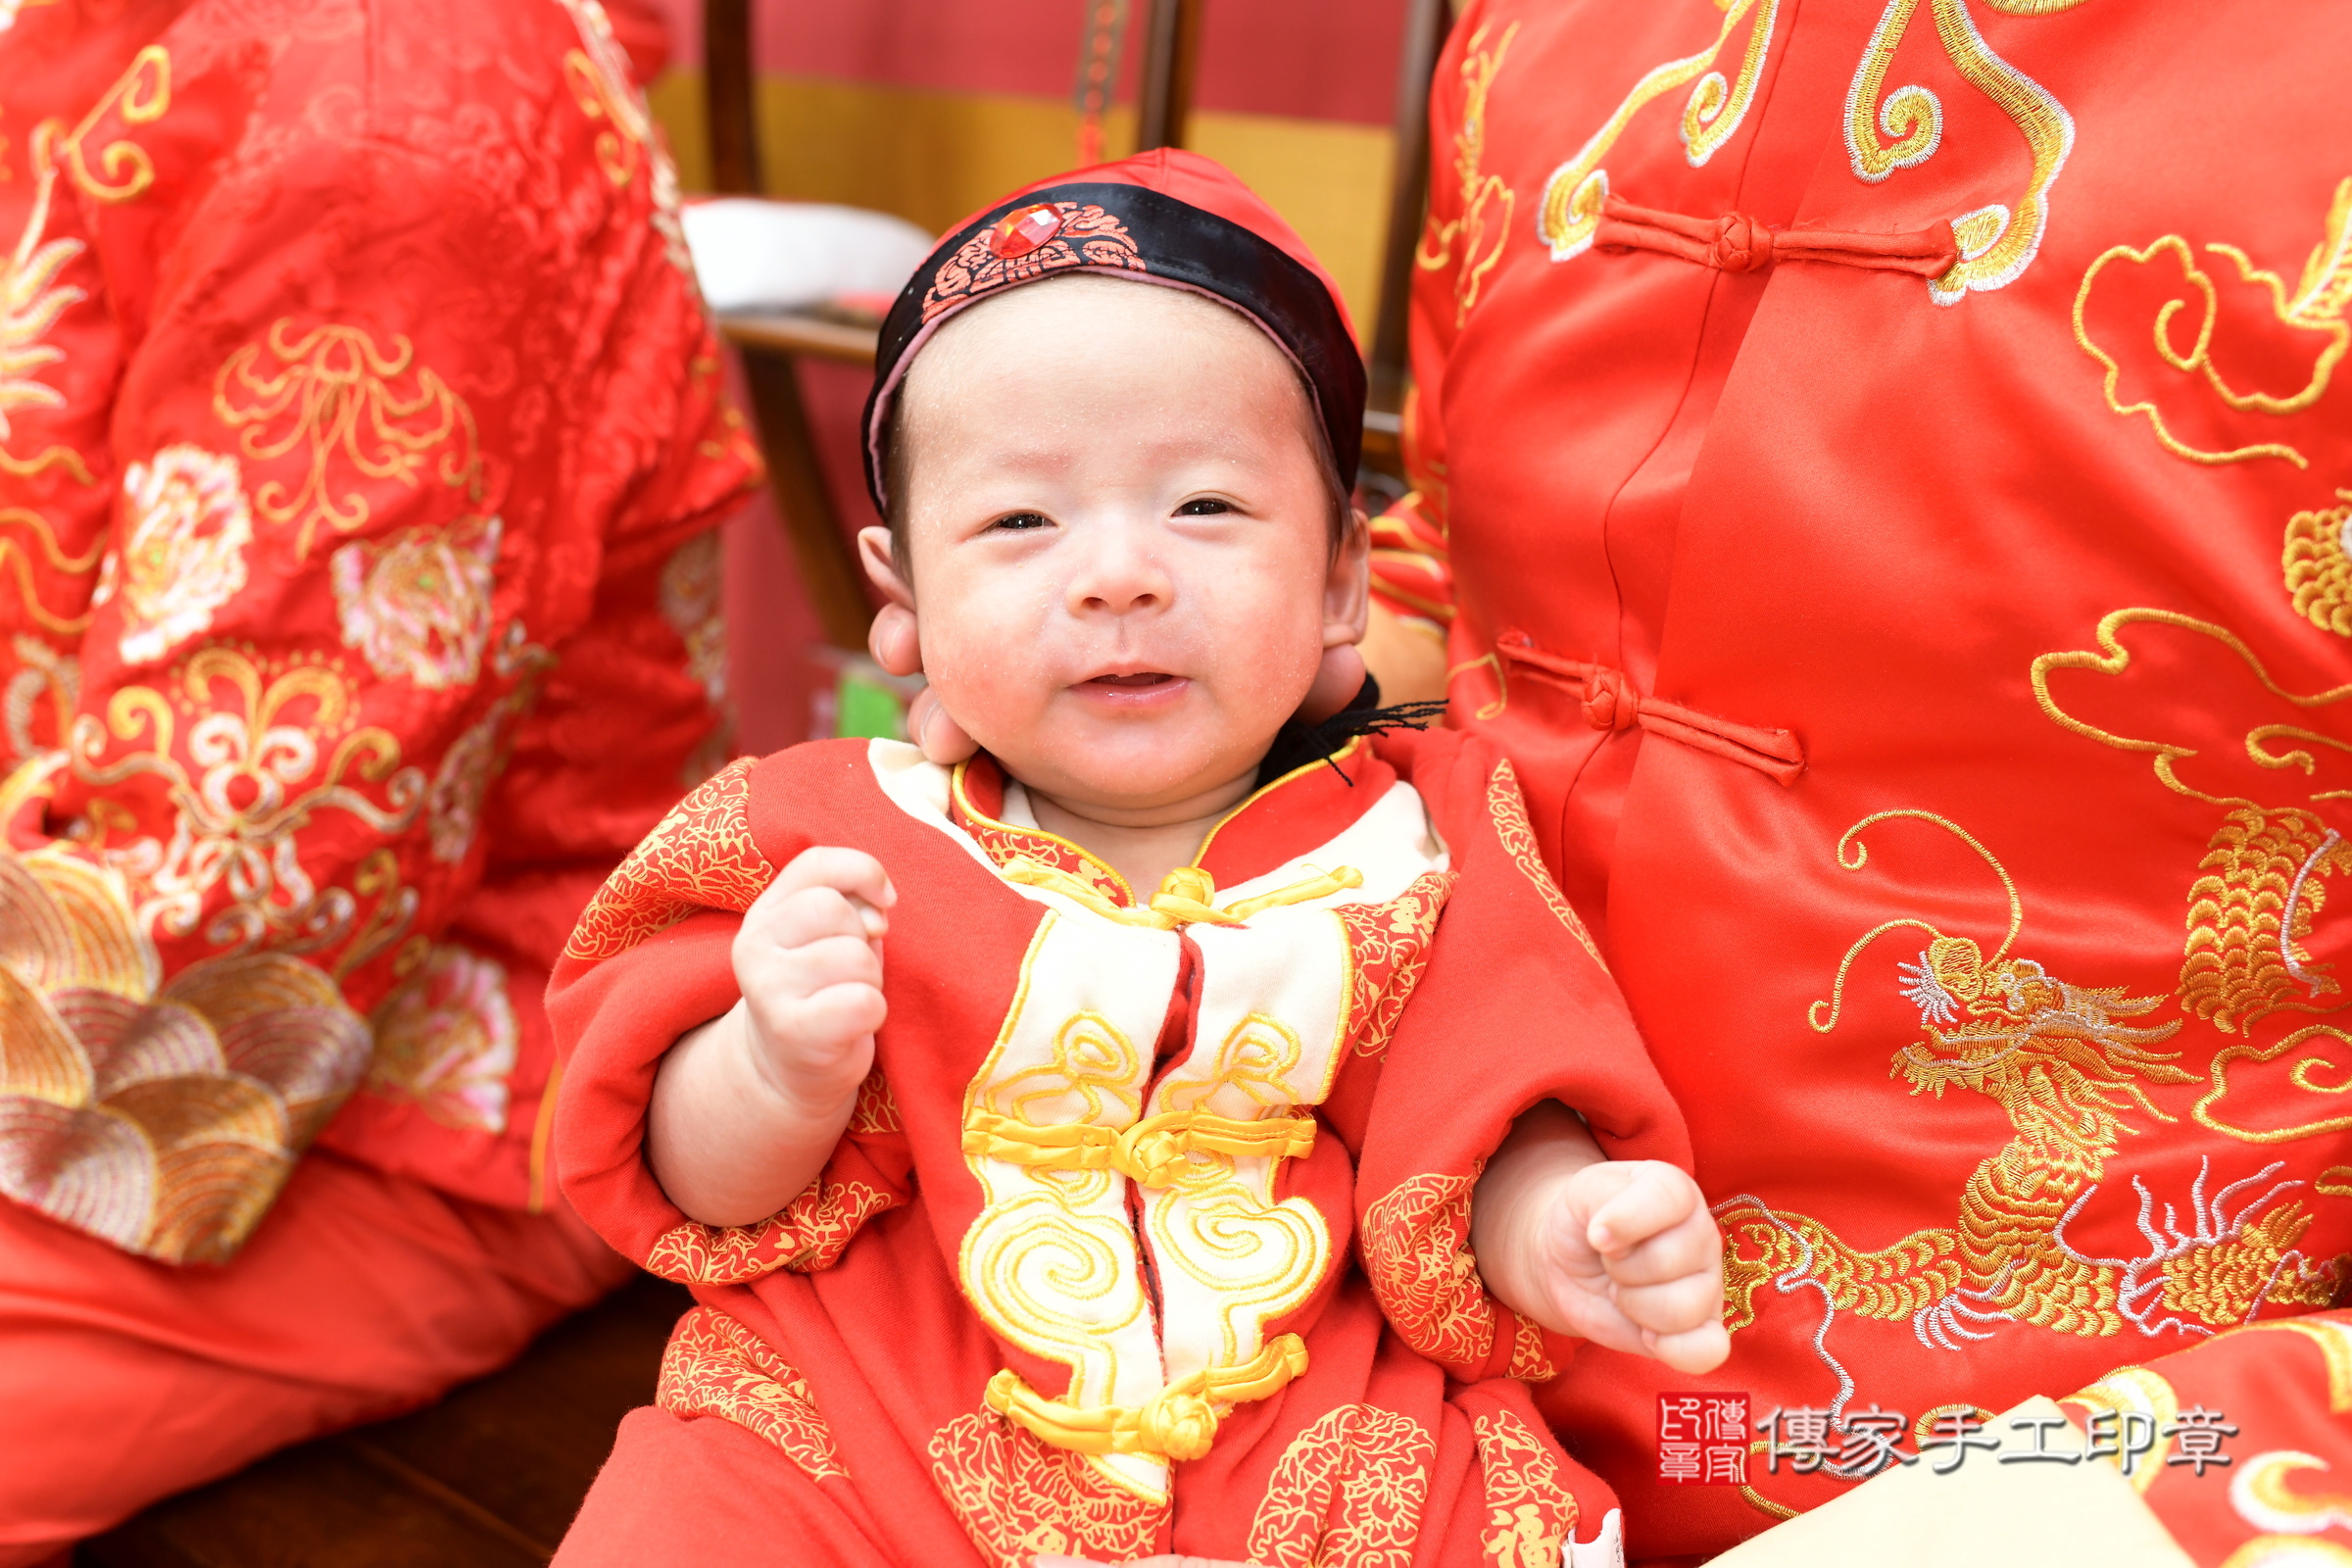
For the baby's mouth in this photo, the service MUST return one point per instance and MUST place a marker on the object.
(1134, 682)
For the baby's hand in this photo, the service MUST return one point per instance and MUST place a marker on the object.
(808, 960)
(1629, 1257)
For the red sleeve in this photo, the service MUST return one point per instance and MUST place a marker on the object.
(651, 960)
(376, 369)
(2270, 1405)
(1514, 1007)
(1470, 216)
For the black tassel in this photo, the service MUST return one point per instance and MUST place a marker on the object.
(1295, 744)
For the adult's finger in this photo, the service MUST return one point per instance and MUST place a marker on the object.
(934, 729)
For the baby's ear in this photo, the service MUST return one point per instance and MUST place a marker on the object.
(893, 639)
(1348, 589)
(882, 567)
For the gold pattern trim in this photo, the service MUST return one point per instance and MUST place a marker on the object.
(701, 855)
(1509, 807)
(1480, 239)
(714, 1366)
(1415, 1247)
(1531, 1513)
(808, 1234)
(1348, 1493)
(1016, 1497)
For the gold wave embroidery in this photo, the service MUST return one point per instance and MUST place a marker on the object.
(2317, 566)
(162, 1118)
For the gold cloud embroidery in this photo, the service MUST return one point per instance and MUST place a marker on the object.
(2186, 327)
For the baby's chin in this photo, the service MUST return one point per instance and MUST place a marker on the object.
(1141, 770)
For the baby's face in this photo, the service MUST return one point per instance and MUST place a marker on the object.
(1119, 538)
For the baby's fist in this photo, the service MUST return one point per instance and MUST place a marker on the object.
(809, 961)
(1635, 1263)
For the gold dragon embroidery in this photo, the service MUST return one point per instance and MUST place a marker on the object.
(2067, 1065)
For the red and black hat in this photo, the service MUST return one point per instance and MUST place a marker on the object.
(1165, 217)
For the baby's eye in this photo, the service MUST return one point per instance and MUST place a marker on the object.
(1021, 522)
(1204, 507)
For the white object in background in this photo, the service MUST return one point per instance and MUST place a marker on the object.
(1605, 1550)
(751, 254)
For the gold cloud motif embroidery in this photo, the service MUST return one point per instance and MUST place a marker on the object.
(1570, 210)
(1997, 241)
(2186, 327)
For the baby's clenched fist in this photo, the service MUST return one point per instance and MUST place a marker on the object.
(809, 961)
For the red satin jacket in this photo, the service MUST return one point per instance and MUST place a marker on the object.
(1883, 476)
(361, 438)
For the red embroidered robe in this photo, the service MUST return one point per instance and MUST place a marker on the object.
(360, 440)
(1141, 1202)
(1886, 476)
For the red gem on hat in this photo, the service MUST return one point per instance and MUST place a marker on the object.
(1020, 232)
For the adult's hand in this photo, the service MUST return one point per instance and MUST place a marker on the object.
(1406, 658)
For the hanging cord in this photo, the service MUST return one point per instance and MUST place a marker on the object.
(1098, 72)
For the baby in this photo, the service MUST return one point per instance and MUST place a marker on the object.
(1131, 1120)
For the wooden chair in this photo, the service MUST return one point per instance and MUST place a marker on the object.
(772, 341)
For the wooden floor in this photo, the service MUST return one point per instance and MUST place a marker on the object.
(488, 1478)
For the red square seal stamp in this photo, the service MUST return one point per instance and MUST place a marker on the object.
(1702, 1439)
